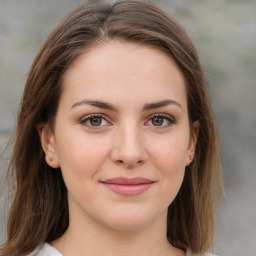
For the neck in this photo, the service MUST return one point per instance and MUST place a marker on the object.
(90, 238)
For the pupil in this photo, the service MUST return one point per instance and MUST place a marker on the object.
(96, 121)
(157, 121)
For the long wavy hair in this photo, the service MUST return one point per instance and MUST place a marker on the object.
(39, 207)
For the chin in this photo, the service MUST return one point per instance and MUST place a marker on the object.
(127, 224)
(129, 219)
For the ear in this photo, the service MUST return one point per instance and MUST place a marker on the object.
(49, 145)
(192, 143)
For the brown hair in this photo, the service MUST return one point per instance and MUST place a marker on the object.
(39, 210)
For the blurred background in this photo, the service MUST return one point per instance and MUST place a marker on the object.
(224, 32)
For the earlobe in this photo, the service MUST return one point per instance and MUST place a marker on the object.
(49, 146)
(192, 143)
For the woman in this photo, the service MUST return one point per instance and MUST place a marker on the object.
(116, 151)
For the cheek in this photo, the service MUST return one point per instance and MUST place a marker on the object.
(171, 154)
(170, 161)
(81, 156)
(171, 165)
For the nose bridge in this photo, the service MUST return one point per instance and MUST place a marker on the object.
(128, 147)
(130, 139)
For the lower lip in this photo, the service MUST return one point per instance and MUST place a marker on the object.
(124, 189)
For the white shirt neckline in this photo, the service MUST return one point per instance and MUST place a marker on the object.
(47, 250)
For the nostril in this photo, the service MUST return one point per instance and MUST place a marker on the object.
(141, 162)
(129, 164)
(128, 157)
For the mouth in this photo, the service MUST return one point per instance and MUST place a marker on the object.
(127, 186)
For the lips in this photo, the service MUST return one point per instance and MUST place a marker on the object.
(126, 186)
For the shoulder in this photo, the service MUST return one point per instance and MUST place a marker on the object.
(45, 250)
(189, 253)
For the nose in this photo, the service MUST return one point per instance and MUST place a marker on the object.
(128, 148)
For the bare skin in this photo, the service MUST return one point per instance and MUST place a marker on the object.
(122, 113)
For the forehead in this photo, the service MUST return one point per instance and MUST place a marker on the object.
(117, 70)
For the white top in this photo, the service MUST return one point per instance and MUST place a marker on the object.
(45, 250)
(48, 250)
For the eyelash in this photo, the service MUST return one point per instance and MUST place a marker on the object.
(89, 118)
(166, 117)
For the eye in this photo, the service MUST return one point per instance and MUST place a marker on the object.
(94, 121)
(160, 120)
(157, 121)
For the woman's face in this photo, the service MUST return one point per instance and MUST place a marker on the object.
(121, 136)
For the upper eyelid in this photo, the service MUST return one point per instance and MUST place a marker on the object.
(162, 115)
(94, 115)
(108, 119)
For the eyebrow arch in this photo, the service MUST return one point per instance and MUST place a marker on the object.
(146, 107)
(95, 103)
(160, 104)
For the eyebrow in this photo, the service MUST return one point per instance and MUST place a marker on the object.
(95, 103)
(105, 105)
(160, 104)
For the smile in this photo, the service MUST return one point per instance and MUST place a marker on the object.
(125, 186)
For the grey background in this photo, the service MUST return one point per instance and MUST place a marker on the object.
(224, 32)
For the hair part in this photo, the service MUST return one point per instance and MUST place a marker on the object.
(39, 210)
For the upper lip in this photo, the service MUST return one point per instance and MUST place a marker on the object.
(128, 181)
